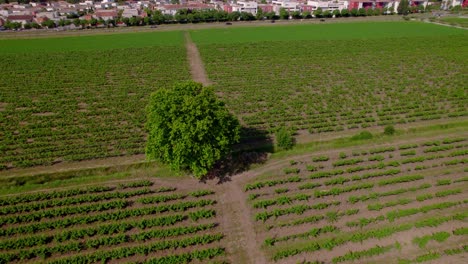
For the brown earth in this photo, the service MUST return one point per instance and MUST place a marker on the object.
(196, 64)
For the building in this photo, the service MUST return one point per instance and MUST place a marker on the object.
(128, 13)
(248, 7)
(23, 19)
(289, 6)
(106, 14)
(266, 8)
(172, 9)
(327, 5)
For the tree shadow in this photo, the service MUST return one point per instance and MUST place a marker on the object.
(253, 148)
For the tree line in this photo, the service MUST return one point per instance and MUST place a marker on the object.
(206, 16)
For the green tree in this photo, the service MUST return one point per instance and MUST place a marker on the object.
(403, 7)
(336, 13)
(362, 12)
(283, 13)
(189, 128)
(318, 13)
(345, 12)
(48, 24)
(284, 138)
(296, 15)
(260, 14)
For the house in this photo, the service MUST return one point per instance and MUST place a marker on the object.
(172, 9)
(130, 13)
(248, 7)
(106, 14)
(86, 17)
(5, 13)
(287, 5)
(40, 20)
(23, 19)
(50, 15)
(266, 8)
(327, 5)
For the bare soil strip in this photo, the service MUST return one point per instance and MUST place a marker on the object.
(238, 224)
(196, 64)
(442, 24)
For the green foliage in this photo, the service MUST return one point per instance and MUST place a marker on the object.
(364, 135)
(291, 170)
(337, 191)
(309, 185)
(354, 199)
(403, 7)
(439, 237)
(320, 158)
(379, 206)
(284, 138)
(401, 179)
(443, 182)
(424, 197)
(356, 255)
(200, 193)
(295, 209)
(189, 129)
(259, 185)
(461, 231)
(448, 192)
(389, 130)
(381, 150)
(314, 232)
(347, 162)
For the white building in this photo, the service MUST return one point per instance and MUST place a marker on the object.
(328, 5)
(289, 6)
(249, 7)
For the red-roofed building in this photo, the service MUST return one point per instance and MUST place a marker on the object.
(23, 19)
(172, 9)
(106, 14)
(266, 8)
(39, 20)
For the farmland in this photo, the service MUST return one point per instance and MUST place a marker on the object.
(120, 222)
(80, 98)
(365, 204)
(336, 79)
(347, 192)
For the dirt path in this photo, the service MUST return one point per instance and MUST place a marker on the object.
(238, 224)
(196, 64)
(442, 24)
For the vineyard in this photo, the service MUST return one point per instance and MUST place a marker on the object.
(398, 197)
(135, 221)
(404, 202)
(329, 82)
(80, 104)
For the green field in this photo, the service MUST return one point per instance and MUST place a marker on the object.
(456, 21)
(338, 31)
(77, 98)
(384, 198)
(138, 218)
(87, 43)
(344, 78)
(347, 198)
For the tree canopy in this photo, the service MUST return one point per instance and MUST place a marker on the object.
(403, 7)
(189, 128)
